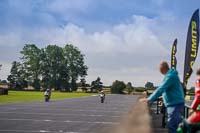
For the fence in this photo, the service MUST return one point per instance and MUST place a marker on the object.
(164, 112)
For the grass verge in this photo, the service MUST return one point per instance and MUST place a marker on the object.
(29, 96)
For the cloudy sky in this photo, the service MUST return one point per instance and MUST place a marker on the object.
(121, 39)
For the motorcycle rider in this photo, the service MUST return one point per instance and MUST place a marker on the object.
(102, 96)
(47, 95)
(192, 124)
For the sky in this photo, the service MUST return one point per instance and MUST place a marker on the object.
(121, 39)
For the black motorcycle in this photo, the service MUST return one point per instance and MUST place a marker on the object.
(47, 98)
(102, 96)
(102, 99)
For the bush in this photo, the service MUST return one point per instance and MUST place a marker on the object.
(3, 91)
(140, 89)
(118, 87)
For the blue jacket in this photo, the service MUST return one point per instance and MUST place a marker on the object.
(171, 90)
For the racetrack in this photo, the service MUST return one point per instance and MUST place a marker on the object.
(80, 115)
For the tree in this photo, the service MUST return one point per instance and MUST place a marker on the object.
(96, 85)
(16, 78)
(75, 64)
(0, 66)
(32, 62)
(149, 85)
(129, 87)
(83, 84)
(118, 87)
(3, 81)
(54, 68)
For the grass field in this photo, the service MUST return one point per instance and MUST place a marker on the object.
(29, 96)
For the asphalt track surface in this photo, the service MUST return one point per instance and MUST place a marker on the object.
(78, 115)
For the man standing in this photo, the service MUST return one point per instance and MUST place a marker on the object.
(173, 96)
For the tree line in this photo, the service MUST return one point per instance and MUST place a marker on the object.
(50, 67)
(119, 87)
(59, 68)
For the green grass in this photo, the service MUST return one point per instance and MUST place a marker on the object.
(30, 96)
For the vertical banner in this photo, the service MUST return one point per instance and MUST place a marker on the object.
(192, 45)
(173, 55)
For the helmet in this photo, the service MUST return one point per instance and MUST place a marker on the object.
(101, 91)
(197, 86)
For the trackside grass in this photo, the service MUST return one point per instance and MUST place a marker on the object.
(29, 96)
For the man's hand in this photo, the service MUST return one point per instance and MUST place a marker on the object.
(144, 100)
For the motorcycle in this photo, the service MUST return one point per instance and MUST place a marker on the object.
(47, 95)
(102, 96)
(47, 98)
(185, 127)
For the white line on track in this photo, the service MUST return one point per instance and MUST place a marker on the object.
(51, 114)
(38, 131)
(66, 121)
(81, 110)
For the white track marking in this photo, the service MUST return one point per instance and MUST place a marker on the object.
(38, 131)
(66, 121)
(80, 110)
(43, 131)
(51, 114)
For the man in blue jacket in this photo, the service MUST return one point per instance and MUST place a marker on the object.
(173, 96)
